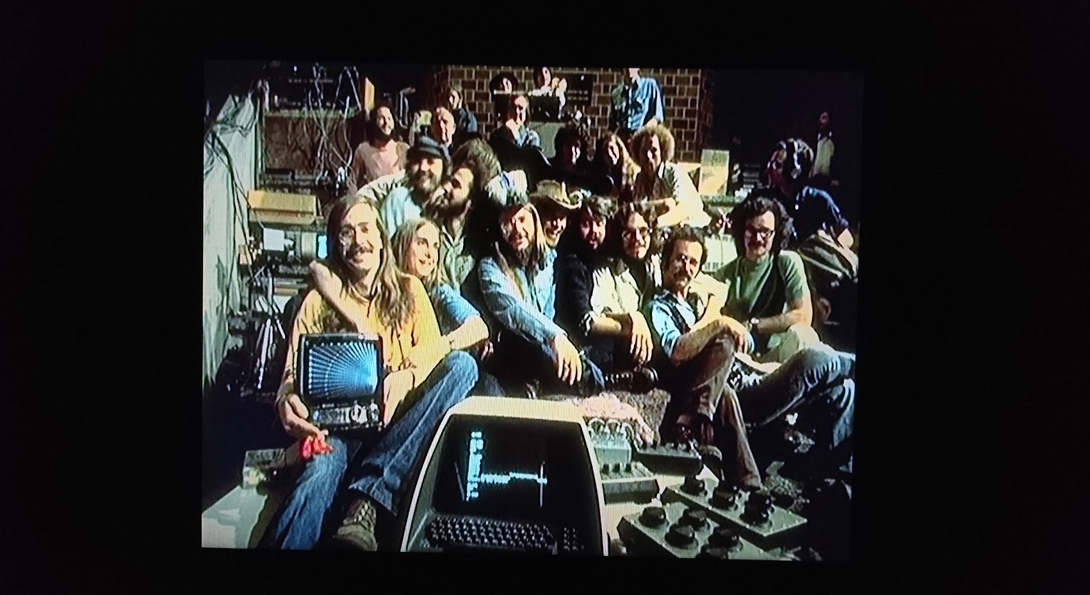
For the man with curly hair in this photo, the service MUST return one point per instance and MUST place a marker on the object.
(767, 289)
(664, 184)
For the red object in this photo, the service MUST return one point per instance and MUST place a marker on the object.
(314, 445)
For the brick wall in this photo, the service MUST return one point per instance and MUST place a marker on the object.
(687, 97)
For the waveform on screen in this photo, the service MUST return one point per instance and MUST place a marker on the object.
(477, 475)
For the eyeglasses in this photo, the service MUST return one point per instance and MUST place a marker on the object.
(631, 234)
(348, 233)
(759, 232)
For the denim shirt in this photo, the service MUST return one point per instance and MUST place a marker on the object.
(398, 207)
(661, 312)
(456, 265)
(529, 315)
(451, 309)
(633, 105)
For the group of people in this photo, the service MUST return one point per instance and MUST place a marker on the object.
(481, 283)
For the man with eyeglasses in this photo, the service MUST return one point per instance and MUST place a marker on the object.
(695, 354)
(767, 291)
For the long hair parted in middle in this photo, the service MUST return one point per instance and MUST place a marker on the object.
(390, 291)
(614, 246)
(403, 240)
(503, 252)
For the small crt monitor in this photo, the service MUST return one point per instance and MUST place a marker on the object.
(509, 476)
(323, 246)
(340, 380)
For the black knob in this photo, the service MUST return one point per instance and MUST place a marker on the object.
(693, 485)
(759, 500)
(783, 500)
(714, 553)
(616, 467)
(695, 518)
(628, 467)
(757, 516)
(725, 538)
(681, 535)
(724, 496)
(653, 516)
(605, 468)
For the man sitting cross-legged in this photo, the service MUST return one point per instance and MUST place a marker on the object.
(695, 355)
(424, 379)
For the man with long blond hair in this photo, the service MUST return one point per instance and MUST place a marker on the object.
(424, 378)
(662, 183)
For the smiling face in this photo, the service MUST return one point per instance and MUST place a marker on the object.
(360, 241)
(591, 230)
(425, 174)
(518, 228)
(422, 252)
(760, 232)
(456, 198)
(384, 121)
(442, 126)
(553, 223)
(682, 266)
(636, 236)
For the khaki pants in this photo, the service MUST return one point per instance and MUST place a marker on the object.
(782, 346)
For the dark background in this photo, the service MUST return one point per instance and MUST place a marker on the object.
(971, 455)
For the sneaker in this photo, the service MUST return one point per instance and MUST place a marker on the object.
(358, 530)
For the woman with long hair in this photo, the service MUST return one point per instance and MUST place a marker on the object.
(416, 246)
(611, 158)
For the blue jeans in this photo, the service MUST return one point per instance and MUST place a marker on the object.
(487, 386)
(386, 470)
(516, 361)
(817, 383)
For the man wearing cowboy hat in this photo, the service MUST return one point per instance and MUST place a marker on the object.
(402, 196)
(518, 294)
(555, 207)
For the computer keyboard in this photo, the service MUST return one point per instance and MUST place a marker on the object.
(462, 533)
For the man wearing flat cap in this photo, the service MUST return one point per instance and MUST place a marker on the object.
(402, 196)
